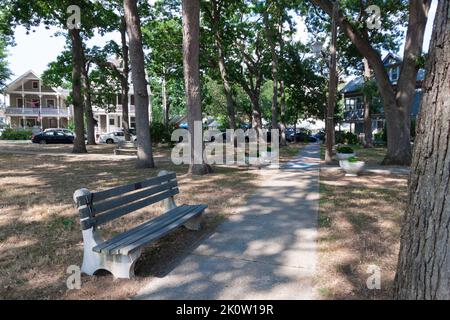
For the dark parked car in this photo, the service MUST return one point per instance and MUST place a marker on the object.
(320, 135)
(52, 136)
(301, 137)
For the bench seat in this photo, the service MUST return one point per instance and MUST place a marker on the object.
(119, 254)
(149, 231)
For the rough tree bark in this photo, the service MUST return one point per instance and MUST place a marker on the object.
(141, 98)
(79, 145)
(397, 103)
(191, 50)
(283, 114)
(423, 270)
(332, 88)
(274, 67)
(253, 87)
(90, 122)
(165, 105)
(216, 16)
(124, 79)
(368, 143)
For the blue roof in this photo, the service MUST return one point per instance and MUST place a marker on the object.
(356, 84)
(353, 85)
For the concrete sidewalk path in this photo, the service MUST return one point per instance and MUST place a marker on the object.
(266, 251)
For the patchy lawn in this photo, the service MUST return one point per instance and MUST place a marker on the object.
(372, 156)
(101, 149)
(40, 235)
(359, 226)
(39, 227)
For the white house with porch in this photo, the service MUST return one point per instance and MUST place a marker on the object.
(30, 104)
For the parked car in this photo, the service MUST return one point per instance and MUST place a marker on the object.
(114, 137)
(320, 135)
(52, 136)
(66, 131)
(301, 137)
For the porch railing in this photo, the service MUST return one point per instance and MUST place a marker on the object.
(63, 112)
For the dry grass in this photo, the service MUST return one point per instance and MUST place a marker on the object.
(359, 225)
(372, 156)
(39, 229)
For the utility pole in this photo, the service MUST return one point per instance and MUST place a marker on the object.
(332, 87)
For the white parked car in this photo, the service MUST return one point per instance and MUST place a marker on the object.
(114, 137)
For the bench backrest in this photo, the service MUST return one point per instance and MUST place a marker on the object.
(100, 207)
(126, 144)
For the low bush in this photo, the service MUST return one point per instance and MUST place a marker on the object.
(160, 133)
(353, 159)
(346, 137)
(16, 134)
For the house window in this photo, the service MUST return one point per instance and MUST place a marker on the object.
(35, 103)
(349, 104)
(132, 100)
(112, 122)
(132, 122)
(394, 73)
(50, 103)
(19, 102)
(35, 84)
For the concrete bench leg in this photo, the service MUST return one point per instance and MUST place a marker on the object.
(194, 224)
(119, 265)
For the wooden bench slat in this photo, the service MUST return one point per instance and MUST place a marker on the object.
(102, 195)
(121, 211)
(196, 210)
(117, 202)
(145, 228)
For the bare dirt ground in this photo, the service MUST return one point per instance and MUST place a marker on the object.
(39, 227)
(359, 226)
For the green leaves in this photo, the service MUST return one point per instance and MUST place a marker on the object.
(5, 72)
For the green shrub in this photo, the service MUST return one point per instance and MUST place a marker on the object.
(350, 138)
(346, 137)
(159, 133)
(353, 159)
(344, 149)
(16, 134)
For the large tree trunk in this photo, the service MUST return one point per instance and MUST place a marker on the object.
(191, 50)
(90, 121)
(227, 87)
(397, 105)
(79, 145)
(165, 105)
(423, 270)
(216, 16)
(283, 114)
(256, 113)
(368, 143)
(270, 39)
(144, 144)
(124, 80)
(89, 114)
(332, 88)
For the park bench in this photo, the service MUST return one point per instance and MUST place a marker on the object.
(125, 147)
(119, 254)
